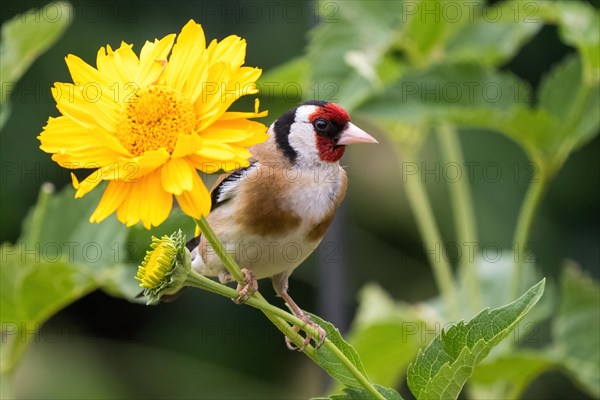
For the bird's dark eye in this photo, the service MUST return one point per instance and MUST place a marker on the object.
(321, 125)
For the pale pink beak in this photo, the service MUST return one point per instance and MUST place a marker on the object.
(353, 134)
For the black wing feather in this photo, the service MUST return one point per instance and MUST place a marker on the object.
(218, 190)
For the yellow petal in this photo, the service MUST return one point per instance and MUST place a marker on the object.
(231, 50)
(126, 61)
(186, 144)
(157, 203)
(213, 102)
(127, 170)
(217, 98)
(177, 176)
(151, 58)
(234, 130)
(64, 95)
(146, 202)
(60, 133)
(216, 151)
(197, 81)
(195, 202)
(236, 114)
(242, 152)
(129, 210)
(88, 184)
(184, 61)
(210, 166)
(131, 170)
(120, 66)
(75, 147)
(74, 181)
(96, 91)
(82, 72)
(88, 105)
(114, 195)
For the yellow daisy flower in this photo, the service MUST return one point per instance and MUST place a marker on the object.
(148, 124)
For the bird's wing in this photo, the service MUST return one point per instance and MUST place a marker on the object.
(226, 186)
(223, 190)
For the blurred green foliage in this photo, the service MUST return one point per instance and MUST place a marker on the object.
(25, 38)
(394, 66)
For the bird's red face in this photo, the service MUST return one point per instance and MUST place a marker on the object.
(317, 131)
(329, 121)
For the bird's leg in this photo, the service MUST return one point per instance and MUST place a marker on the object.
(280, 283)
(307, 321)
(245, 288)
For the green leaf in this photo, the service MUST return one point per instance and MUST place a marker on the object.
(292, 72)
(24, 38)
(508, 375)
(466, 94)
(436, 32)
(361, 394)
(429, 24)
(577, 327)
(388, 335)
(344, 55)
(441, 370)
(69, 236)
(330, 362)
(579, 26)
(110, 249)
(493, 40)
(494, 277)
(32, 290)
(440, 91)
(284, 86)
(565, 96)
(473, 96)
(61, 257)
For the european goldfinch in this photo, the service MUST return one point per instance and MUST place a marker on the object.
(273, 214)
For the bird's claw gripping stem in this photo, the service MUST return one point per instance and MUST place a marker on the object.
(247, 287)
(307, 321)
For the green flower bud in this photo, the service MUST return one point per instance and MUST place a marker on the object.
(165, 268)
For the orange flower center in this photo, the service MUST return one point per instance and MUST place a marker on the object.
(154, 118)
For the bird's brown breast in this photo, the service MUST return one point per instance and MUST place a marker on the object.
(276, 203)
(263, 213)
(318, 230)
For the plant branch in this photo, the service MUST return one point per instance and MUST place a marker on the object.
(280, 318)
(219, 249)
(533, 198)
(432, 240)
(461, 200)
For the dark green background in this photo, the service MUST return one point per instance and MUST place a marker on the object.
(205, 346)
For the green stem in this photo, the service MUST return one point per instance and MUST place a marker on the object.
(280, 318)
(432, 240)
(219, 249)
(461, 200)
(534, 195)
(201, 282)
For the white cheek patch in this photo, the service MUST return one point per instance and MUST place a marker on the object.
(302, 139)
(302, 135)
